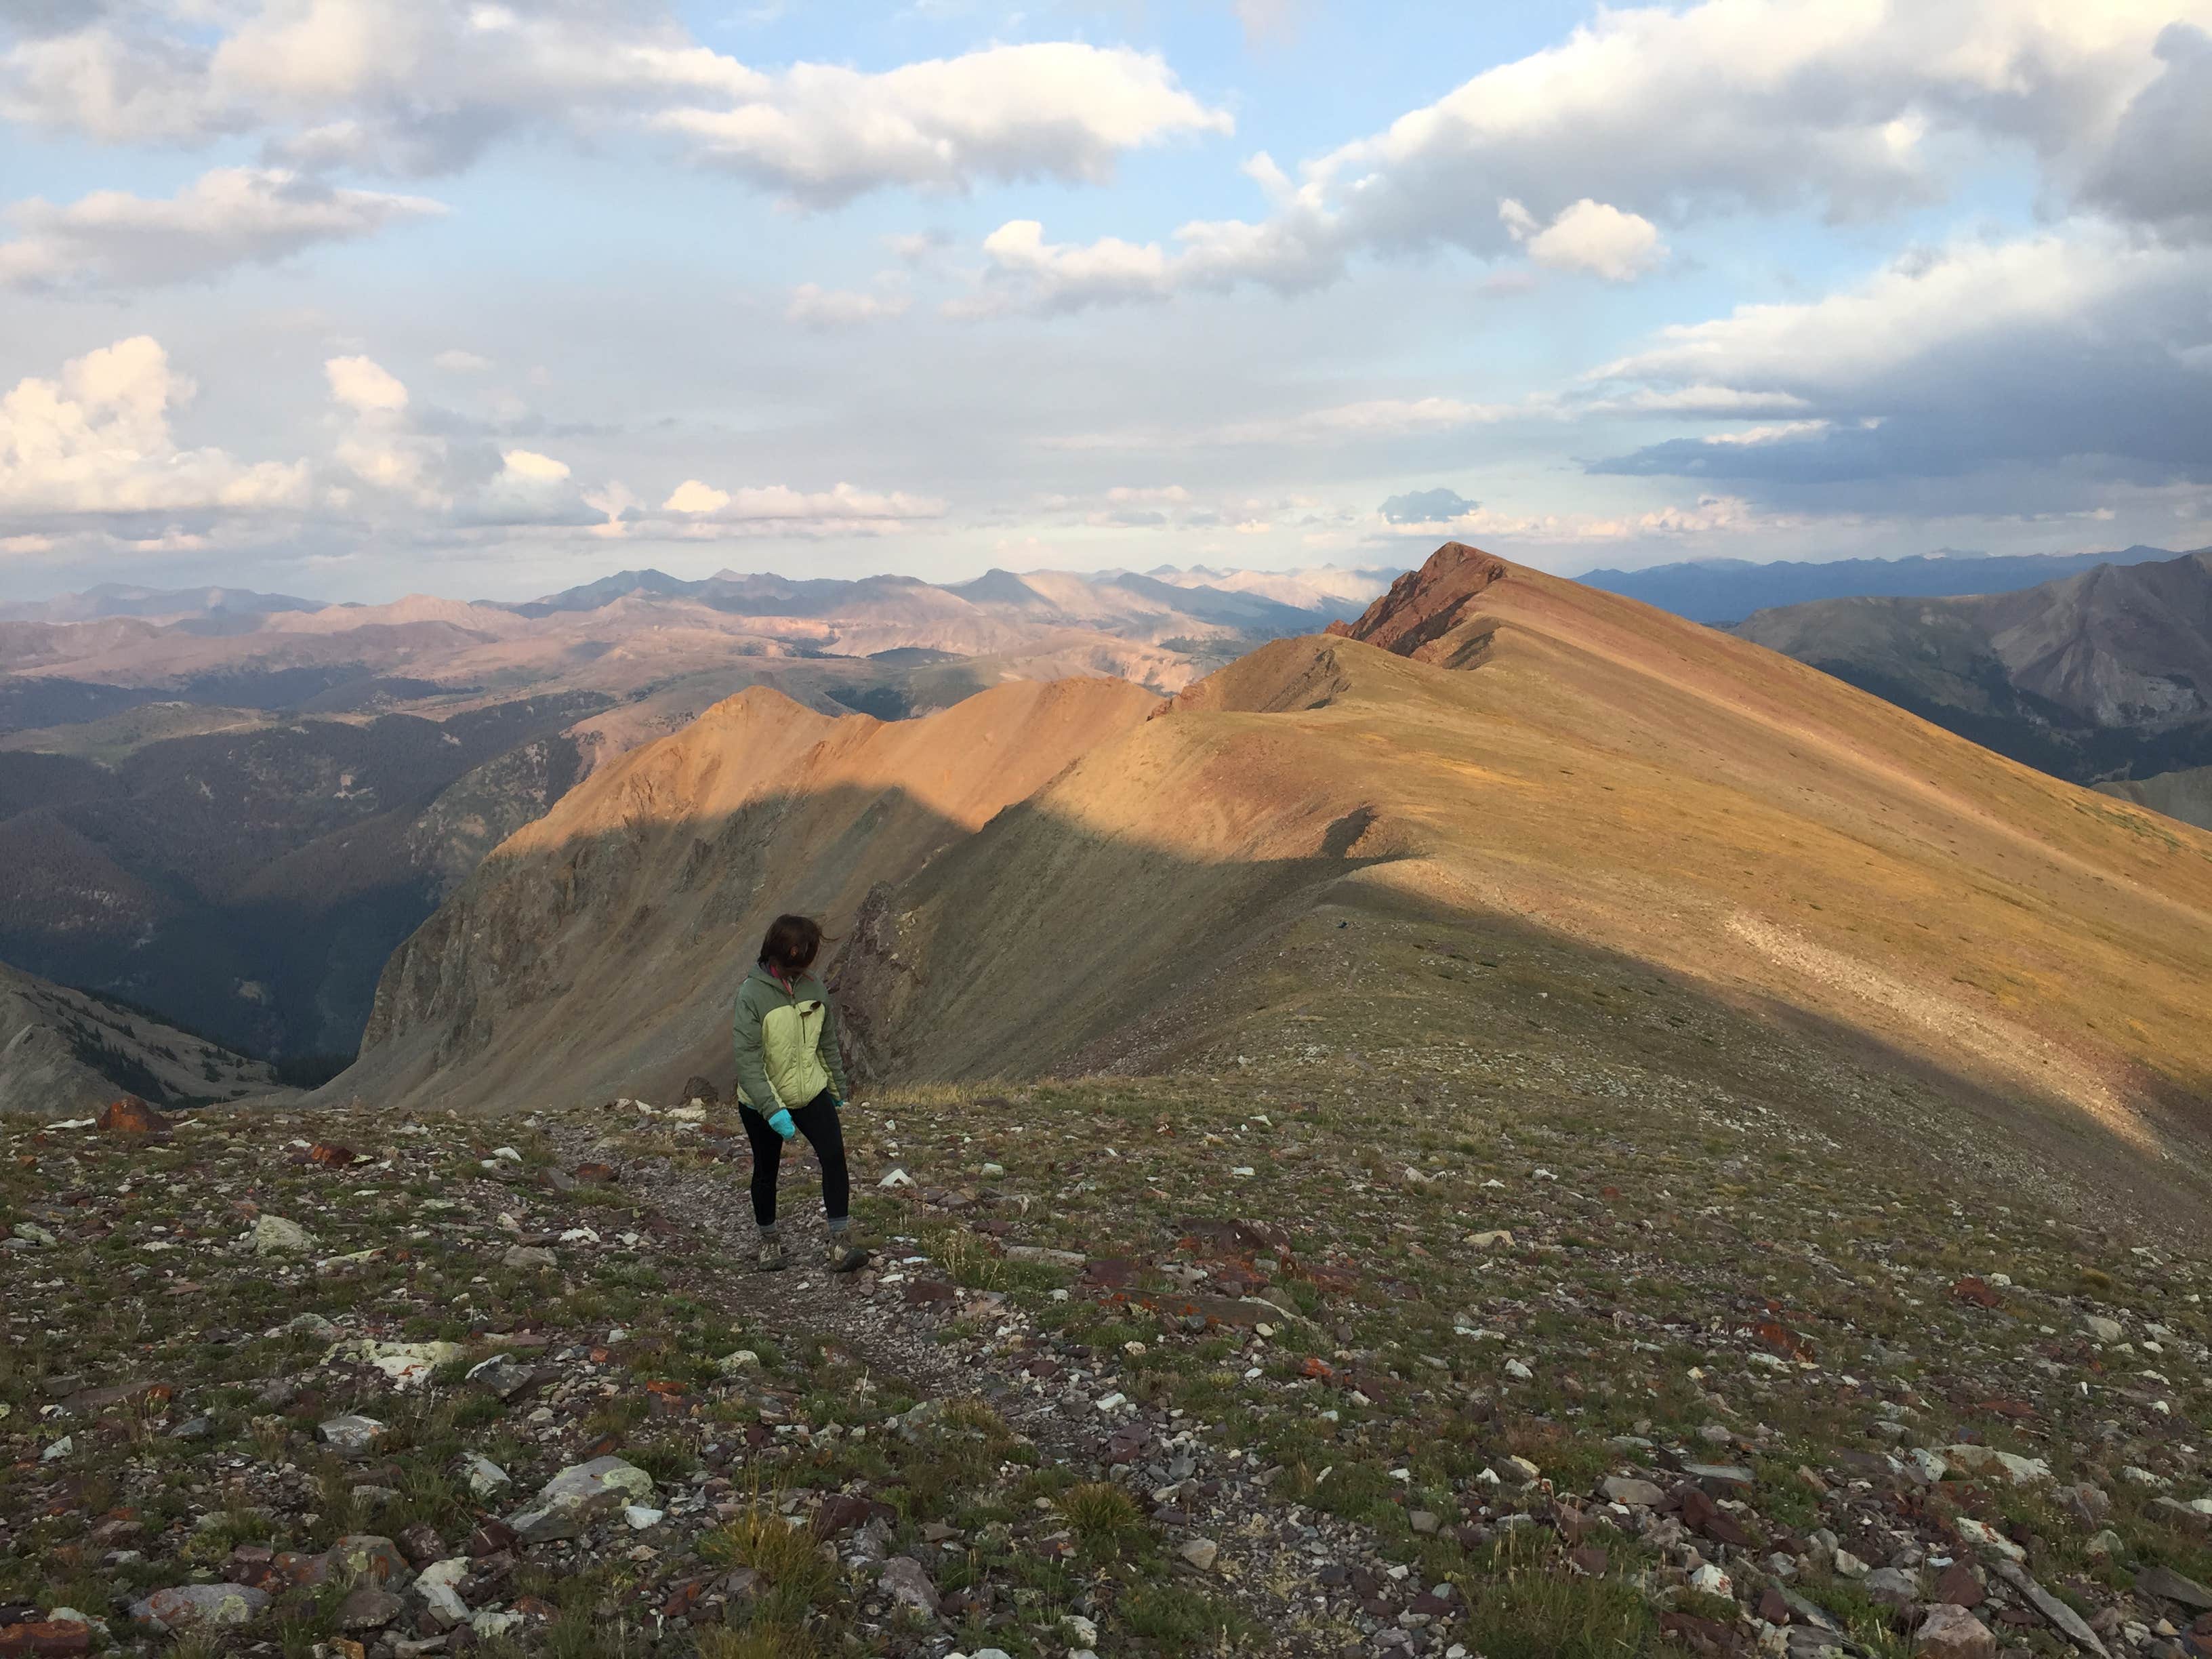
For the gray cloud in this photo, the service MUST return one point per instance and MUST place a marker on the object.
(1426, 506)
(2080, 357)
(228, 217)
(2158, 169)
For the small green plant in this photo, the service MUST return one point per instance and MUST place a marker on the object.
(1105, 1519)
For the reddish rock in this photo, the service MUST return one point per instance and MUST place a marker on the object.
(1424, 605)
(130, 1116)
(1129, 1443)
(421, 1544)
(1701, 1515)
(922, 1291)
(1952, 1632)
(841, 1512)
(1959, 1588)
(1590, 1558)
(1705, 1635)
(43, 1637)
(597, 1175)
(1976, 1292)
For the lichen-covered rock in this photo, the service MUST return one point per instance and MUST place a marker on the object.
(577, 1495)
(351, 1435)
(274, 1236)
(200, 1606)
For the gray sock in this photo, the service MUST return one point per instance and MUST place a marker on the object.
(767, 1232)
(838, 1224)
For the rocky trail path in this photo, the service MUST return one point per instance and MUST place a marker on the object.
(914, 1333)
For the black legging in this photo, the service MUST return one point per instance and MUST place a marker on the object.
(818, 1121)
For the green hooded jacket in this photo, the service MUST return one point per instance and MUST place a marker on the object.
(787, 1042)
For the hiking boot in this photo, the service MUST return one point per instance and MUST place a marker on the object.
(845, 1256)
(771, 1255)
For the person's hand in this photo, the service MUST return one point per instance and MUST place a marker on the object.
(781, 1123)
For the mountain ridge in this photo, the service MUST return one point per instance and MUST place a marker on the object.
(1613, 782)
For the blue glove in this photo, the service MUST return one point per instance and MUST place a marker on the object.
(780, 1122)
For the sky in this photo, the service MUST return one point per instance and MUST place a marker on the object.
(353, 298)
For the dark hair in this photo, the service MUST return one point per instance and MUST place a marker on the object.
(791, 945)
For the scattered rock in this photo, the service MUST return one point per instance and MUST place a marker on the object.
(528, 1258)
(130, 1116)
(905, 1581)
(1988, 1460)
(2098, 1328)
(577, 1495)
(1198, 1553)
(198, 1606)
(502, 1374)
(2069, 1623)
(2170, 1586)
(484, 1477)
(439, 1585)
(408, 1364)
(1960, 1587)
(369, 1607)
(351, 1435)
(1637, 1494)
(274, 1236)
(44, 1638)
(1892, 1587)
(1952, 1632)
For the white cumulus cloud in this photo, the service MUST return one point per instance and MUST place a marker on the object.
(530, 466)
(1651, 116)
(417, 87)
(97, 441)
(1587, 236)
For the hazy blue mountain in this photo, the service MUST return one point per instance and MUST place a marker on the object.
(1728, 590)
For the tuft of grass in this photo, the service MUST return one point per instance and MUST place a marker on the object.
(1522, 1606)
(1105, 1519)
(791, 1564)
(1179, 1620)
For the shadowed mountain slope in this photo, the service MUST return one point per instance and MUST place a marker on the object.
(64, 1053)
(1595, 777)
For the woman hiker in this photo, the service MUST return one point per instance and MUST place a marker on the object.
(790, 1082)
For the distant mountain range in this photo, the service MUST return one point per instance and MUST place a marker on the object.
(230, 806)
(2106, 675)
(1723, 591)
(116, 599)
